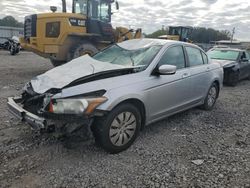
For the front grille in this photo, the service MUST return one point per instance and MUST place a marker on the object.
(30, 26)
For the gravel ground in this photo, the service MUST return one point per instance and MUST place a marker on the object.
(191, 149)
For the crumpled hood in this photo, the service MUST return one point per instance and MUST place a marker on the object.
(63, 75)
(223, 62)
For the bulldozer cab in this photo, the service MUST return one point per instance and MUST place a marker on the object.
(65, 36)
(98, 13)
(182, 32)
(93, 9)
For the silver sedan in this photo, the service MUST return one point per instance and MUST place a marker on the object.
(120, 90)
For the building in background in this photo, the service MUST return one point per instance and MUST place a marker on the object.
(233, 44)
(9, 32)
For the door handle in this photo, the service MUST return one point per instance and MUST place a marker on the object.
(185, 75)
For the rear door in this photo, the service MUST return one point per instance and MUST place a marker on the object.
(199, 73)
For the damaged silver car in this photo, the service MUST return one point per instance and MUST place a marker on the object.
(120, 90)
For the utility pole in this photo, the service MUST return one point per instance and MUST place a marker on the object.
(232, 37)
(163, 27)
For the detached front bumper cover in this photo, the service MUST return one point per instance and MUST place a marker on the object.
(35, 121)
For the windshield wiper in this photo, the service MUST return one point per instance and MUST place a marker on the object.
(224, 59)
(114, 60)
(133, 62)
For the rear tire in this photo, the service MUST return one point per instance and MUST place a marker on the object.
(83, 49)
(211, 97)
(56, 63)
(118, 130)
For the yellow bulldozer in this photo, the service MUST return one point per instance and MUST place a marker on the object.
(64, 36)
(179, 33)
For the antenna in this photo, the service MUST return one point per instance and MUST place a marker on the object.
(163, 26)
(232, 37)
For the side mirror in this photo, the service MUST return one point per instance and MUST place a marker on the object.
(167, 69)
(244, 60)
(117, 5)
(53, 8)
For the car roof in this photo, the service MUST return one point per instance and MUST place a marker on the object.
(135, 44)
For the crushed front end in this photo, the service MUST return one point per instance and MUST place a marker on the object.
(45, 113)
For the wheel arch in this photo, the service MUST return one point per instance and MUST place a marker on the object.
(83, 37)
(138, 104)
(216, 81)
(77, 40)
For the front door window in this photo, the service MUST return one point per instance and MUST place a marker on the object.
(173, 56)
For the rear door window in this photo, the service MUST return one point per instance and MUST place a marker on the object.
(194, 56)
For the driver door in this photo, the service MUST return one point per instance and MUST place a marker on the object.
(170, 93)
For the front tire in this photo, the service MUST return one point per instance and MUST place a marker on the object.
(12, 50)
(234, 79)
(119, 129)
(211, 97)
(17, 50)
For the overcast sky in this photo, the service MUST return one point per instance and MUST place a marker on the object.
(150, 15)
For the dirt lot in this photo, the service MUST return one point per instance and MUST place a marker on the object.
(192, 149)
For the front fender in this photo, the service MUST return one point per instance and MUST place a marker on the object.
(231, 66)
(114, 100)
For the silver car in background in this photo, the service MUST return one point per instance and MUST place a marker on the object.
(120, 90)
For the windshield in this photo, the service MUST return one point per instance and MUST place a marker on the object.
(224, 54)
(120, 56)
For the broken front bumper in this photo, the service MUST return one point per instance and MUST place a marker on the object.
(49, 120)
(35, 121)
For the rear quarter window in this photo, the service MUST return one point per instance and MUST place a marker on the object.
(205, 58)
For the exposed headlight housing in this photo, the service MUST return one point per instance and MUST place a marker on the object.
(75, 106)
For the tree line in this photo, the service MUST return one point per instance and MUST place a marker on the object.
(198, 34)
(10, 21)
